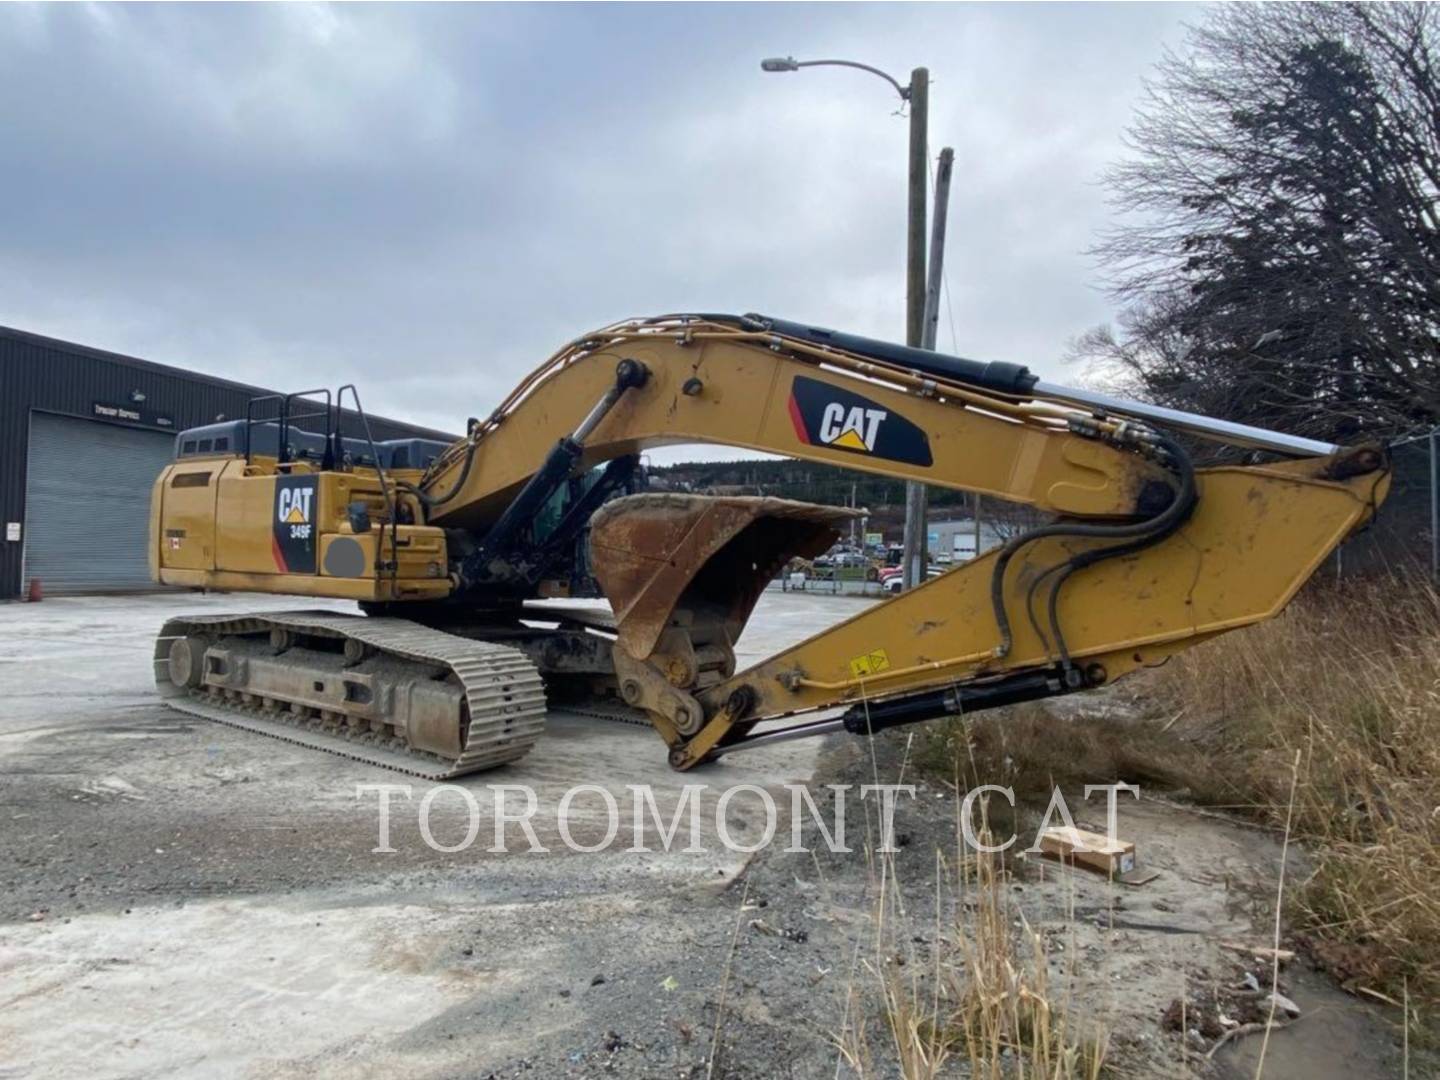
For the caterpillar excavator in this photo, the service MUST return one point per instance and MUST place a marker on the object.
(447, 548)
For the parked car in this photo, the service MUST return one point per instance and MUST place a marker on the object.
(893, 582)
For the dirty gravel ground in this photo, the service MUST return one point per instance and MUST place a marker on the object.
(181, 899)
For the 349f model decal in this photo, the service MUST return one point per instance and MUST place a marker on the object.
(292, 540)
(826, 415)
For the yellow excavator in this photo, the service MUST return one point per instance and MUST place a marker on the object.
(448, 548)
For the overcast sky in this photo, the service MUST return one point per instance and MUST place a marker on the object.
(430, 199)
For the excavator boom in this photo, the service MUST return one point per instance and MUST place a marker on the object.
(1144, 554)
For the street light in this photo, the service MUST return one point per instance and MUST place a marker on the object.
(789, 63)
(918, 95)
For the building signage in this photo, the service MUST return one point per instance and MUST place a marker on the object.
(132, 414)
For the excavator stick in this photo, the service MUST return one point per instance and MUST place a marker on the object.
(1256, 535)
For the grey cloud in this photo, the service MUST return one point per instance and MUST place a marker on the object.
(430, 199)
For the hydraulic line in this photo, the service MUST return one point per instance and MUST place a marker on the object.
(1142, 534)
(491, 556)
(628, 374)
(1184, 503)
(430, 502)
(1030, 605)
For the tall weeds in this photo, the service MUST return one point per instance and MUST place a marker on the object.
(1348, 677)
(980, 993)
(1006, 1017)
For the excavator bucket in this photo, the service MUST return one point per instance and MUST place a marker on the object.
(699, 562)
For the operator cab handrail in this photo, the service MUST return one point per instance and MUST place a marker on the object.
(390, 507)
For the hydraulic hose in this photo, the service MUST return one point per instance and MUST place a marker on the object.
(429, 502)
(1142, 534)
(1165, 524)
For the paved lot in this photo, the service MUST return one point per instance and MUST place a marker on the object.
(180, 898)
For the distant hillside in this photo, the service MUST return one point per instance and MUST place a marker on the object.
(809, 482)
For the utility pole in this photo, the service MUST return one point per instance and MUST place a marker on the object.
(977, 525)
(917, 95)
(912, 561)
(937, 247)
(916, 498)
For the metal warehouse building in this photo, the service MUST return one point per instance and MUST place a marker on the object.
(83, 434)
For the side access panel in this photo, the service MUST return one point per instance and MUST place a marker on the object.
(266, 524)
(186, 491)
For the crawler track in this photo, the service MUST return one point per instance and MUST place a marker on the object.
(501, 711)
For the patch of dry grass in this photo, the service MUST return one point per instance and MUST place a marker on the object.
(1030, 749)
(1348, 677)
(974, 988)
(1003, 997)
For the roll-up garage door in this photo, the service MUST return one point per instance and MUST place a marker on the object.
(87, 503)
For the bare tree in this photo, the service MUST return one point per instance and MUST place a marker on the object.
(1007, 520)
(1279, 257)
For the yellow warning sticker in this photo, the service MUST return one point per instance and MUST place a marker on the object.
(870, 663)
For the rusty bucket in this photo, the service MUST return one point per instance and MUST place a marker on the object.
(699, 561)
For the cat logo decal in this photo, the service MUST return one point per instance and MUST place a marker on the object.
(853, 429)
(292, 537)
(293, 505)
(831, 416)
